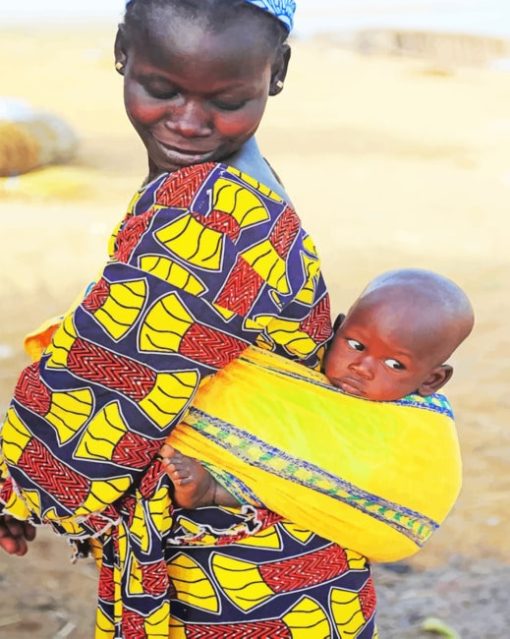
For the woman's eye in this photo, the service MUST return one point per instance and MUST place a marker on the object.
(395, 364)
(229, 106)
(161, 93)
(355, 345)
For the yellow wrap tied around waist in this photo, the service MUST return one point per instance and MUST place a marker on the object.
(376, 477)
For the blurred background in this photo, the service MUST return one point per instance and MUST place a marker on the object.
(392, 137)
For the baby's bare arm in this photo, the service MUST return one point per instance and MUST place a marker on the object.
(193, 485)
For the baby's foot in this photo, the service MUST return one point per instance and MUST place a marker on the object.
(193, 485)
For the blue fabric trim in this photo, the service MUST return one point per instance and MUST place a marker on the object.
(418, 527)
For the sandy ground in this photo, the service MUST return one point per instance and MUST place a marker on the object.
(390, 164)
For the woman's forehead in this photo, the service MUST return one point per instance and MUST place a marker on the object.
(186, 46)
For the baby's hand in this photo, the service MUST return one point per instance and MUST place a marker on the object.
(193, 485)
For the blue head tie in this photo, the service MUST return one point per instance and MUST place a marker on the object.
(284, 10)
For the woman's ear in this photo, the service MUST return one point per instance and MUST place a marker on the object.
(436, 380)
(279, 70)
(120, 50)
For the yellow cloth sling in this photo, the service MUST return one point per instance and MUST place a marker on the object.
(376, 477)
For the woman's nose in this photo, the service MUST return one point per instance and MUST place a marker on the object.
(191, 120)
(364, 366)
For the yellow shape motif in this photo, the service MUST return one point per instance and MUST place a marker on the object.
(268, 538)
(122, 307)
(239, 202)
(307, 620)
(69, 412)
(164, 326)
(193, 242)
(157, 624)
(138, 527)
(15, 436)
(310, 246)
(191, 529)
(347, 613)
(265, 261)
(173, 273)
(224, 313)
(287, 333)
(17, 507)
(261, 188)
(62, 342)
(105, 628)
(296, 532)
(135, 581)
(355, 560)
(103, 493)
(192, 584)
(102, 435)
(177, 629)
(159, 511)
(69, 524)
(311, 267)
(241, 581)
(171, 393)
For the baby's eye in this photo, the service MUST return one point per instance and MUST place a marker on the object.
(355, 345)
(395, 364)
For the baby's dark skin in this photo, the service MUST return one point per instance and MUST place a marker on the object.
(393, 342)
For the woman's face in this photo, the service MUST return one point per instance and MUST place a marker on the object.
(192, 95)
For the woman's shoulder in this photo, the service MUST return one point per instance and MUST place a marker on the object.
(211, 189)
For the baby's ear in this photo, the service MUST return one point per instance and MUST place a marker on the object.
(338, 322)
(436, 380)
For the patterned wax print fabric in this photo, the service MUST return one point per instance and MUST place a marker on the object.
(206, 262)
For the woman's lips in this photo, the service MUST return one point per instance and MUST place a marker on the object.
(186, 155)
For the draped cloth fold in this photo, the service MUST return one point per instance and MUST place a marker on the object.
(377, 477)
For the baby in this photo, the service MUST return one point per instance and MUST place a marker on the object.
(393, 342)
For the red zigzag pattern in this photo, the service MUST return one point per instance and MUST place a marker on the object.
(285, 232)
(96, 364)
(179, 190)
(211, 347)
(134, 451)
(155, 578)
(257, 630)
(305, 571)
(31, 392)
(221, 222)
(130, 235)
(66, 485)
(318, 324)
(368, 599)
(97, 296)
(241, 288)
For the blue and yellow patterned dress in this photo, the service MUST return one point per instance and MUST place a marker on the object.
(206, 263)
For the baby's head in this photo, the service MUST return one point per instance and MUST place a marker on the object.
(198, 73)
(398, 336)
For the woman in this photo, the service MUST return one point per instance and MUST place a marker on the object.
(210, 259)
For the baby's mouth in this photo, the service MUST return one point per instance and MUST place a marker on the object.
(350, 386)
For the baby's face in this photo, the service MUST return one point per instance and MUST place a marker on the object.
(377, 354)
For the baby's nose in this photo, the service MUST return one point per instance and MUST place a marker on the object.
(365, 367)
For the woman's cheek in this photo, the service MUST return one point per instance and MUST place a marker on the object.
(144, 111)
(241, 124)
